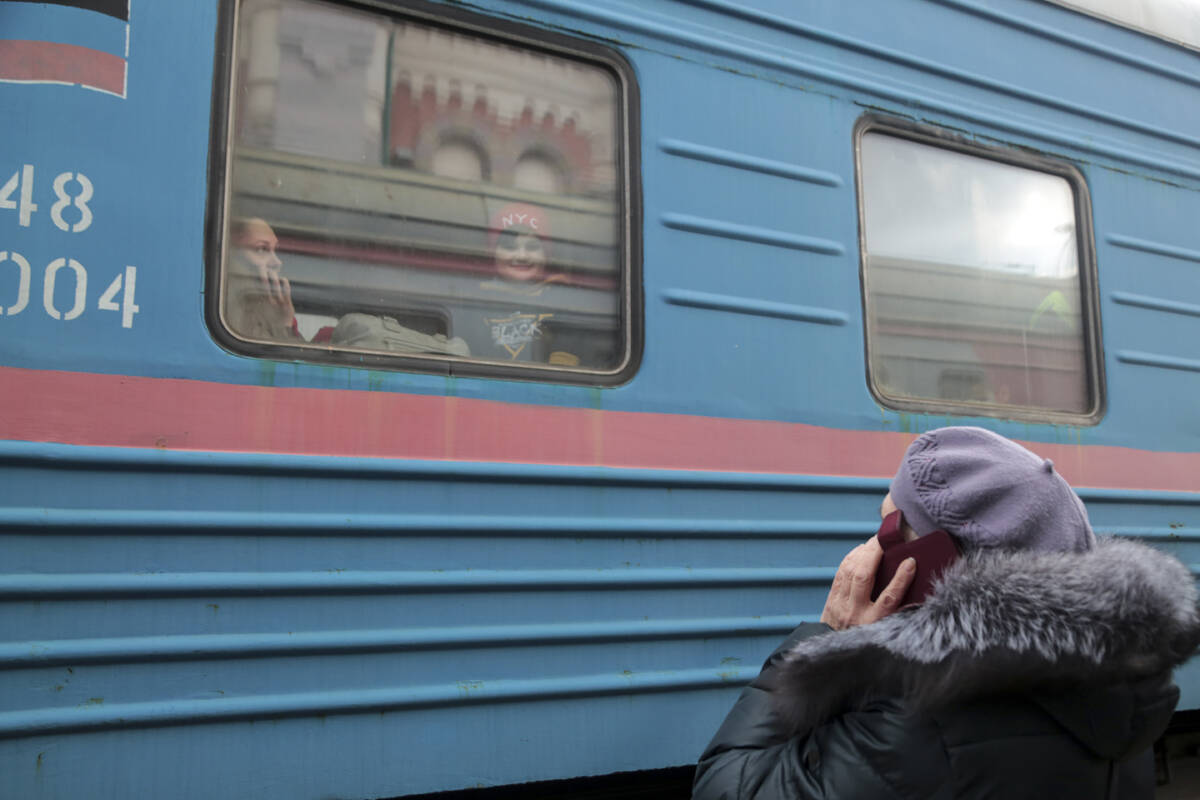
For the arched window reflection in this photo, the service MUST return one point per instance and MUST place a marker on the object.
(537, 173)
(459, 159)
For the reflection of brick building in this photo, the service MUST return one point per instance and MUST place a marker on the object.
(468, 140)
(366, 89)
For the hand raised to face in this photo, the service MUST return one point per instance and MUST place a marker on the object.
(849, 602)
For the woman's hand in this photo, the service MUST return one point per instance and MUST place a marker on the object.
(849, 602)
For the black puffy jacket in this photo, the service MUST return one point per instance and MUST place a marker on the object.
(1023, 675)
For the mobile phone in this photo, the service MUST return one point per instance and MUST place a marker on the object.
(934, 552)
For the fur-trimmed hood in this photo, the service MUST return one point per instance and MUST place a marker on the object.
(1003, 621)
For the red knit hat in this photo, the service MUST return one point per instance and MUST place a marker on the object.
(520, 215)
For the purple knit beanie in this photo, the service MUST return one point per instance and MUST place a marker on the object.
(988, 491)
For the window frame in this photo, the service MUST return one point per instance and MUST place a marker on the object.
(496, 29)
(1017, 156)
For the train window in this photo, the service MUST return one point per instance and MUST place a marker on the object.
(976, 280)
(426, 192)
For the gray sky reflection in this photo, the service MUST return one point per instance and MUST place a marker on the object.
(929, 204)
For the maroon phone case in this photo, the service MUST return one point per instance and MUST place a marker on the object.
(933, 552)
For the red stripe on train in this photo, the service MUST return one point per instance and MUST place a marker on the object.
(125, 411)
(49, 62)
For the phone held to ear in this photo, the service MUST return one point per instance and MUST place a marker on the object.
(933, 552)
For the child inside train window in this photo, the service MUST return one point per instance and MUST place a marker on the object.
(511, 323)
(517, 330)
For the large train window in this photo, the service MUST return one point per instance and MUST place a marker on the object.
(978, 279)
(433, 191)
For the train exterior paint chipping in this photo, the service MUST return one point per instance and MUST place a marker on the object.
(401, 397)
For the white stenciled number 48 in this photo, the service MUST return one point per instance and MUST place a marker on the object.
(17, 194)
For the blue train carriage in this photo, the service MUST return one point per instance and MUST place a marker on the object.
(403, 397)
